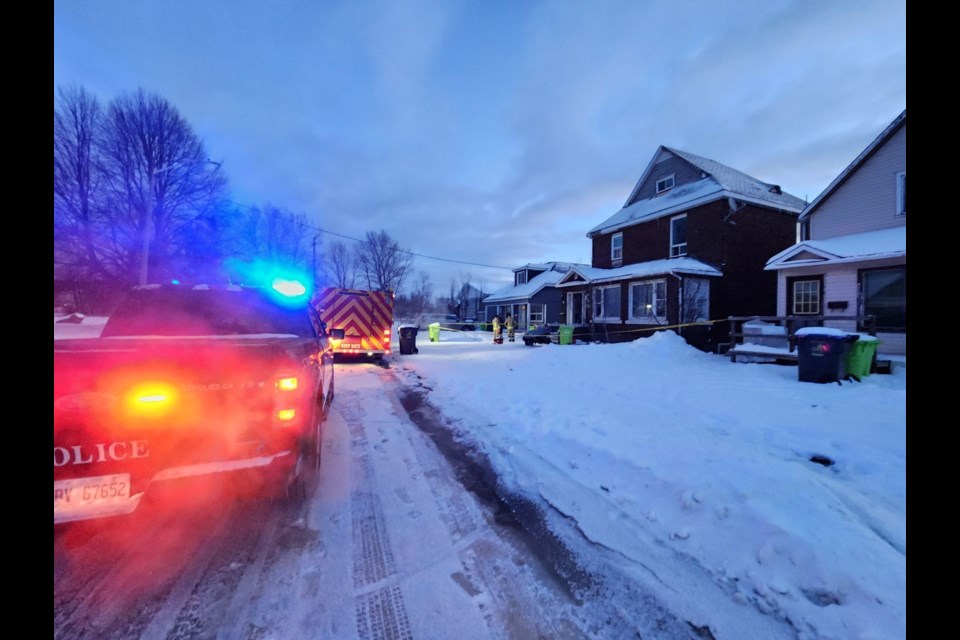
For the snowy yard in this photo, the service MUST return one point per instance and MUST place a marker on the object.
(789, 497)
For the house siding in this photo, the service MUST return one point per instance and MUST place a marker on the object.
(683, 173)
(841, 283)
(867, 201)
(549, 296)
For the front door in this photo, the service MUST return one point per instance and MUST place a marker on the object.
(575, 307)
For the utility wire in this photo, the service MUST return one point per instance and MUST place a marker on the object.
(418, 255)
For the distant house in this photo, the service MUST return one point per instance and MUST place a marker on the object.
(689, 245)
(852, 257)
(470, 303)
(533, 298)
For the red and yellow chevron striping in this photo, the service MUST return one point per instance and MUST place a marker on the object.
(365, 316)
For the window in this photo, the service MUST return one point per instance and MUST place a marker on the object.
(696, 300)
(648, 301)
(607, 303)
(902, 193)
(678, 236)
(521, 277)
(616, 246)
(883, 294)
(805, 295)
(537, 313)
(666, 183)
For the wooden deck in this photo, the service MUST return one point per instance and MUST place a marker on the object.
(777, 340)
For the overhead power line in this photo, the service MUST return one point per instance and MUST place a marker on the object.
(413, 253)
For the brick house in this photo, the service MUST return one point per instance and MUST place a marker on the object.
(689, 246)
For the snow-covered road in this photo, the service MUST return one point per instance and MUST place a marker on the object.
(391, 545)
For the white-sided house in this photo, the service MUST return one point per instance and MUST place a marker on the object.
(852, 257)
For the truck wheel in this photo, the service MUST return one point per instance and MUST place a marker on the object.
(307, 472)
(326, 407)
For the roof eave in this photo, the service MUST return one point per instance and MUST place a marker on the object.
(872, 257)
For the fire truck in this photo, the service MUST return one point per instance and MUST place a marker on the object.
(366, 318)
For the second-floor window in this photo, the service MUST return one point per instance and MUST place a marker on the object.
(521, 277)
(665, 183)
(616, 246)
(902, 193)
(678, 236)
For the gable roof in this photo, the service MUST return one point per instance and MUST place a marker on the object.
(531, 287)
(593, 275)
(854, 247)
(719, 181)
(737, 182)
(865, 155)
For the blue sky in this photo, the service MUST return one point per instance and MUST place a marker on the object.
(495, 132)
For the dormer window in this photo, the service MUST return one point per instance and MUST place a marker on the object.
(665, 183)
(521, 277)
(616, 246)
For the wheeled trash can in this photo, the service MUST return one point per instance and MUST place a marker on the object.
(408, 339)
(822, 354)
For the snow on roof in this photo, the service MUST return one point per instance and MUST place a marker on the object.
(740, 183)
(719, 182)
(686, 266)
(555, 266)
(533, 286)
(855, 247)
(678, 198)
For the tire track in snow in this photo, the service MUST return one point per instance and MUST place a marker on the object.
(379, 608)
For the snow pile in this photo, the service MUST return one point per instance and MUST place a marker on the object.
(787, 497)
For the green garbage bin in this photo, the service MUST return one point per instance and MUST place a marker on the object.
(860, 358)
(434, 331)
(566, 333)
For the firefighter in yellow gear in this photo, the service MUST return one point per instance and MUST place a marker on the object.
(511, 328)
(497, 331)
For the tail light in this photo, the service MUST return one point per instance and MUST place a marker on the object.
(386, 332)
(286, 399)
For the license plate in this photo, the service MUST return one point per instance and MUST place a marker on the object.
(78, 493)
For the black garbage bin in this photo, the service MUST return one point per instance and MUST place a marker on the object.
(822, 354)
(408, 339)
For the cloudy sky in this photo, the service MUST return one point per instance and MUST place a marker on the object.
(495, 132)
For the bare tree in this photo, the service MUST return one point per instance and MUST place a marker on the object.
(162, 189)
(453, 294)
(421, 294)
(339, 267)
(381, 261)
(276, 235)
(77, 119)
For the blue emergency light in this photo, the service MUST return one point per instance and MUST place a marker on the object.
(289, 288)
